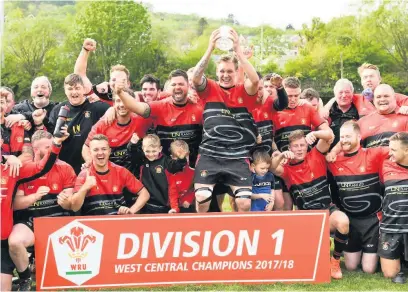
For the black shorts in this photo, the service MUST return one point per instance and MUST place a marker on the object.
(211, 170)
(280, 185)
(363, 234)
(7, 265)
(29, 222)
(393, 246)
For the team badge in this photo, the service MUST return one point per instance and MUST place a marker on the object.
(193, 118)
(312, 175)
(303, 121)
(3, 180)
(55, 187)
(159, 169)
(362, 168)
(172, 119)
(240, 100)
(265, 115)
(385, 246)
(19, 139)
(204, 173)
(395, 124)
(87, 114)
(115, 188)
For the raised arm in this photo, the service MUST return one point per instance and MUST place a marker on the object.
(199, 81)
(82, 62)
(140, 108)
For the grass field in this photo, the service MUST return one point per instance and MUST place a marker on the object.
(352, 281)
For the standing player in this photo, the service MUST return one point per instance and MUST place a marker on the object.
(305, 176)
(393, 242)
(356, 172)
(229, 129)
(82, 115)
(46, 196)
(99, 188)
(175, 118)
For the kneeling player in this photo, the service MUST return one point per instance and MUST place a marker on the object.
(99, 189)
(305, 176)
(393, 241)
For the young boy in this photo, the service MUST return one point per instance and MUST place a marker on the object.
(263, 181)
(155, 168)
(181, 185)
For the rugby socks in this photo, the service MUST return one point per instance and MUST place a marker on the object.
(340, 242)
(25, 274)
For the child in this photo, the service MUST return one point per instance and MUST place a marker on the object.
(263, 196)
(154, 170)
(181, 186)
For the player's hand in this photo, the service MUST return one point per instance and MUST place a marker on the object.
(65, 135)
(12, 119)
(267, 197)
(93, 98)
(14, 164)
(124, 210)
(86, 164)
(89, 44)
(276, 153)
(249, 52)
(135, 139)
(172, 211)
(64, 200)
(42, 191)
(215, 36)
(102, 87)
(311, 138)
(110, 116)
(38, 116)
(118, 85)
(331, 157)
(235, 39)
(90, 181)
(193, 96)
(403, 110)
(259, 139)
(288, 155)
(186, 204)
(269, 207)
(276, 80)
(25, 124)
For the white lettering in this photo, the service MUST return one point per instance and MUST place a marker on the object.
(122, 244)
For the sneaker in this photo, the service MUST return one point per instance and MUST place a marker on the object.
(399, 278)
(335, 269)
(25, 285)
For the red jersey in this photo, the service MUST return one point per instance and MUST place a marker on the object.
(178, 122)
(14, 139)
(376, 129)
(119, 136)
(263, 120)
(365, 107)
(395, 211)
(229, 128)
(307, 181)
(107, 196)
(61, 176)
(181, 187)
(303, 118)
(358, 181)
(28, 172)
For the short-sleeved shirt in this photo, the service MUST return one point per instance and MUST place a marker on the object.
(261, 185)
(107, 196)
(395, 211)
(358, 179)
(303, 117)
(178, 122)
(80, 120)
(60, 177)
(119, 136)
(229, 130)
(365, 107)
(376, 129)
(307, 181)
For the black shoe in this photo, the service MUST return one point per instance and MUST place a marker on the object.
(399, 278)
(25, 285)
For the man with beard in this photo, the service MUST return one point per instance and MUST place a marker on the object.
(356, 172)
(99, 188)
(40, 106)
(82, 115)
(393, 242)
(305, 177)
(174, 118)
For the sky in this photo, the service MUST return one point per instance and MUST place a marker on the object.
(277, 13)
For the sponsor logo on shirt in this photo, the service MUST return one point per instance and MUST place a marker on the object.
(30, 187)
(362, 169)
(265, 115)
(178, 182)
(55, 187)
(303, 121)
(240, 100)
(115, 188)
(193, 118)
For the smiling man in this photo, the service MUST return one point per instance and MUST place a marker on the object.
(82, 115)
